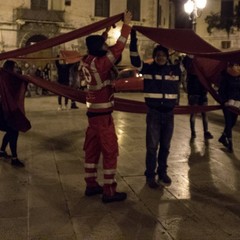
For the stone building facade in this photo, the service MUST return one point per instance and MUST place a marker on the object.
(24, 22)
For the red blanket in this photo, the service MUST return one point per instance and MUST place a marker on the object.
(209, 62)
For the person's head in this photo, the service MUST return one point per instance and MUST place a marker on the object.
(9, 65)
(160, 55)
(96, 45)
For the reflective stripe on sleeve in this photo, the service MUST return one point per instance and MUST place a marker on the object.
(134, 54)
(99, 86)
(122, 39)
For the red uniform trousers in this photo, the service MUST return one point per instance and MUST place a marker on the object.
(101, 139)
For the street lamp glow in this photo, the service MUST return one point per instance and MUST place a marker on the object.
(201, 3)
(188, 7)
(194, 8)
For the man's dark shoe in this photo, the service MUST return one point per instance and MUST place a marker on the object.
(117, 197)
(4, 154)
(152, 183)
(74, 106)
(17, 163)
(223, 139)
(164, 180)
(208, 135)
(230, 146)
(193, 134)
(91, 191)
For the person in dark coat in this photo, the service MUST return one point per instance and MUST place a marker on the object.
(11, 120)
(229, 91)
(161, 89)
(197, 96)
(63, 71)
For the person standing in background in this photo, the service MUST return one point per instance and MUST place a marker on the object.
(46, 76)
(197, 96)
(11, 136)
(74, 81)
(63, 71)
(229, 91)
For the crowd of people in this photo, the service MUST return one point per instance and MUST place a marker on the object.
(161, 90)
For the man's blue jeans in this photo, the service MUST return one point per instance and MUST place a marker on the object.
(159, 133)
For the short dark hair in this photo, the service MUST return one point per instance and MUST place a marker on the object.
(160, 48)
(94, 44)
(9, 65)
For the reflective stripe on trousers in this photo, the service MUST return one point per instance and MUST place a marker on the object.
(101, 139)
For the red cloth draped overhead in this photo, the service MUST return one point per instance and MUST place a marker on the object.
(48, 43)
(12, 92)
(209, 62)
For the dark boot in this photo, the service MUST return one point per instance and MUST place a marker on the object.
(164, 180)
(74, 105)
(223, 139)
(91, 191)
(17, 163)
(151, 182)
(117, 197)
(230, 145)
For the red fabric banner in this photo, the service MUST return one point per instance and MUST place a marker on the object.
(209, 62)
(12, 92)
(48, 43)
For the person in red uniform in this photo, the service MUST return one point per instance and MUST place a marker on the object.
(101, 137)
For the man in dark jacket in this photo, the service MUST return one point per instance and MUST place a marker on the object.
(63, 71)
(229, 91)
(161, 83)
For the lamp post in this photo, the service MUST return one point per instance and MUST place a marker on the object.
(193, 9)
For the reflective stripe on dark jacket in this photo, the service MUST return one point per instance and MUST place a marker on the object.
(161, 83)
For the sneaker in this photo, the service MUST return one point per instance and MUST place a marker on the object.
(117, 197)
(208, 135)
(17, 163)
(164, 180)
(91, 191)
(152, 183)
(65, 107)
(59, 108)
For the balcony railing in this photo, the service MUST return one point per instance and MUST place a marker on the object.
(39, 15)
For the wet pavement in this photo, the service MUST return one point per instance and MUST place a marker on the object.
(45, 200)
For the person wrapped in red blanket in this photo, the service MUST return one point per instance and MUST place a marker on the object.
(12, 116)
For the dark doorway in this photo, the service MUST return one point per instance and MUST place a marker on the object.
(43, 54)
